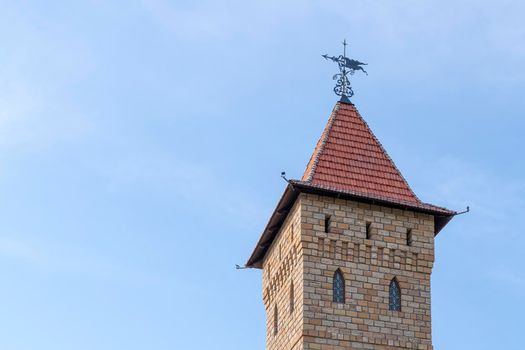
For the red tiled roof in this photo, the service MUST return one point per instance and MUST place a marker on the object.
(348, 162)
(349, 158)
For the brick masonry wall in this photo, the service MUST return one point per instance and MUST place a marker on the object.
(364, 321)
(282, 266)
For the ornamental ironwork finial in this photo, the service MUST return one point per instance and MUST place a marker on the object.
(346, 66)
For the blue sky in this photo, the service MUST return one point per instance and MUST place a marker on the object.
(141, 144)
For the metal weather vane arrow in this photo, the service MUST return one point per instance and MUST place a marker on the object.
(346, 66)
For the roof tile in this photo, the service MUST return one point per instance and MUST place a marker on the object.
(348, 162)
(348, 157)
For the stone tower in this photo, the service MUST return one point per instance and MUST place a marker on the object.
(348, 252)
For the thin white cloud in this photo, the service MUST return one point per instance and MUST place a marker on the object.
(19, 249)
(492, 233)
(508, 279)
(440, 40)
(498, 202)
(36, 80)
(225, 19)
(31, 121)
(190, 182)
(475, 40)
(59, 258)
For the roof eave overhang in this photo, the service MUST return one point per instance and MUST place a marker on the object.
(272, 227)
(294, 188)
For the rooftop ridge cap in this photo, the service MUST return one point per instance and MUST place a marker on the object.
(321, 143)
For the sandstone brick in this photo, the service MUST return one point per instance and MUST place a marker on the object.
(309, 258)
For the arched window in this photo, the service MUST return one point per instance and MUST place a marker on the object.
(292, 297)
(394, 296)
(409, 237)
(368, 230)
(275, 321)
(339, 287)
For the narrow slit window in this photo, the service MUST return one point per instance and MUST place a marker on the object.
(327, 223)
(368, 230)
(292, 297)
(409, 237)
(339, 287)
(275, 321)
(394, 296)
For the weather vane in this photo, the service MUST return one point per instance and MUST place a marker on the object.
(346, 66)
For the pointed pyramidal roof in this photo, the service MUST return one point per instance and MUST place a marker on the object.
(348, 157)
(348, 162)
